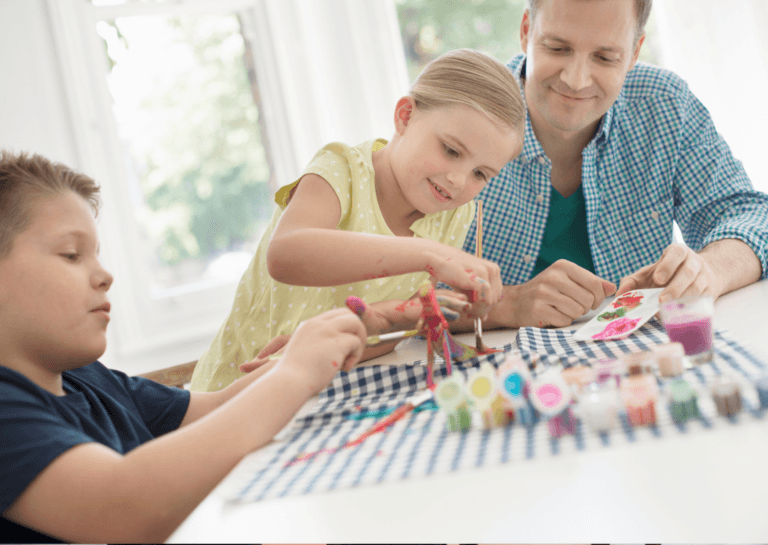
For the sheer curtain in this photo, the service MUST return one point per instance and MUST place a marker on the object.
(720, 47)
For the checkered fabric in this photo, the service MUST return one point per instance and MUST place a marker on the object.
(655, 158)
(312, 459)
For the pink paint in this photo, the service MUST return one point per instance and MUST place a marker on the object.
(695, 335)
(431, 271)
(356, 305)
(549, 395)
(335, 364)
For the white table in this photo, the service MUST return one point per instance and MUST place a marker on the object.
(644, 492)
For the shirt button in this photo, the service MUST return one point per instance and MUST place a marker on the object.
(527, 258)
(539, 198)
(655, 215)
(542, 160)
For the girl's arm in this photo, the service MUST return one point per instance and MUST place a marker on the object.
(307, 249)
(92, 494)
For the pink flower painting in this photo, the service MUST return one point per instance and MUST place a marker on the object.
(617, 329)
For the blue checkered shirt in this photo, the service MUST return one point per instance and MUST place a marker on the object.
(655, 158)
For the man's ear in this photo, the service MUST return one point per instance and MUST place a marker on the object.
(636, 53)
(525, 30)
(403, 112)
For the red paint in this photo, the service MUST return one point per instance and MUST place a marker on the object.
(431, 271)
(401, 306)
(335, 364)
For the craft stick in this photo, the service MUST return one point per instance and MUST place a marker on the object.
(399, 413)
(396, 336)
(479, 253)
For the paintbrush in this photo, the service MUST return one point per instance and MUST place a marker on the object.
(385, 337)
(397, 414)
(479, 253)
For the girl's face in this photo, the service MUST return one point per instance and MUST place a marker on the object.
(445, 156)
(54, 308)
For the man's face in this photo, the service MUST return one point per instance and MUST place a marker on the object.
(578, 54)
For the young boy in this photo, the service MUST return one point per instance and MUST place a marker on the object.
(91, 455)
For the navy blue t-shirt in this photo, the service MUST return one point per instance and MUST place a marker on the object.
(100, 405)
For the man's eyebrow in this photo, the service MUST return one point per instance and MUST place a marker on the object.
(606, 48)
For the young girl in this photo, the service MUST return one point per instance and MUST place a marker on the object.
(378, 219)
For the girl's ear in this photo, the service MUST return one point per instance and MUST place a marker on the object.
(403, 111)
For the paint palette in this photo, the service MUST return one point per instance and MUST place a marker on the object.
(621, 317)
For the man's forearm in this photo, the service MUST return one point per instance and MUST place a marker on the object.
(733, 262)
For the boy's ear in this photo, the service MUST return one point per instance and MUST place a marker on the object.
(403, 111)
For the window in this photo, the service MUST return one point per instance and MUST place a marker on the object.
(190, 113)
(186, 103)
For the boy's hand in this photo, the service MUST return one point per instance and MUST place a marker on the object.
(479, 278)
(398, 315)
(323, 345)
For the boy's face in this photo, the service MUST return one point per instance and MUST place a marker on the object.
(54, 308)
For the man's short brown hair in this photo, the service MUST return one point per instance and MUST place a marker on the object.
(642, 12)
(26, 178)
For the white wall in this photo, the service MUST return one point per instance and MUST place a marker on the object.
(33, 112)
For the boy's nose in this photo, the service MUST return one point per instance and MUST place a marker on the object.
(103, 279)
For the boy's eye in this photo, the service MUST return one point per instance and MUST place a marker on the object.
(71, 256)
(450, 151)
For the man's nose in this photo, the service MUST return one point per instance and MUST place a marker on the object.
(576, 74)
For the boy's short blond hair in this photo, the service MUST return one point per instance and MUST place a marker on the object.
(474, 79)
(24, 179)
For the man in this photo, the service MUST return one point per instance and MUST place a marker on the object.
(613, 153)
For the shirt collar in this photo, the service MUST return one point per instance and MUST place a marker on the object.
(531, 147)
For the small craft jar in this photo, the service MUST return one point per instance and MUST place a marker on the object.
(639, 392)
(761, 385)
(597, 406)
(609, 370)
(683, 404)
(727, 396)
(563, 423)
(578, 377)
(669, 359)
(513, 383)
(449, 396)
(481, 389)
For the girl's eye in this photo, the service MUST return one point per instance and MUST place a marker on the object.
(71, 256)
(450, 151)
(480, 175)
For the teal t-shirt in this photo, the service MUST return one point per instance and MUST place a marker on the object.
(565, 236)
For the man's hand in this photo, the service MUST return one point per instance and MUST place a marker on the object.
(680, 270)
(555, 297)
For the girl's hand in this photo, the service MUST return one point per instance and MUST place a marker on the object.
(323, 345)
(271, 351)
(479, 278)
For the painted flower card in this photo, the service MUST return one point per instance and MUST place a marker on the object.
(621, 317)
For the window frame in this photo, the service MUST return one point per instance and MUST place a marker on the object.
(311, 95)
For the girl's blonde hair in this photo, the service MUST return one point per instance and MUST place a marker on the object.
(472, 78)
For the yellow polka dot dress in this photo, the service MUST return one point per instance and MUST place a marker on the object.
(264, 308)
